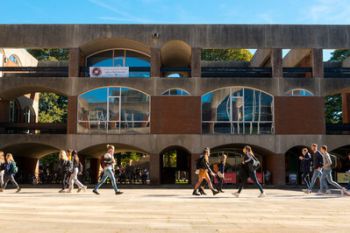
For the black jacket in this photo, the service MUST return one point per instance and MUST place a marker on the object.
(305, 164)
(318, 160)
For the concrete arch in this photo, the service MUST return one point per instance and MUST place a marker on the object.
(30, 150)
(176, 53)
(174, 147)
(101, 44)
(14, 87)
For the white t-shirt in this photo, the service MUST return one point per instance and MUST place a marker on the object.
(108, 157)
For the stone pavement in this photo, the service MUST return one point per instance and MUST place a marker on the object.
(171, 210)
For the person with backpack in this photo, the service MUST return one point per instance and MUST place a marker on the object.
(66, 167)
(2, 169)
(77, 169)
(203, 169)
(305, 166)
(327, 172)
(108, 163)
(317, 165)
(11, 170)
(249, 166)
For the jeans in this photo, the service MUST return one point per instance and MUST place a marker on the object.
(315, 175)
(2, 178)
(252, 175)
(74, 179)
(7, 178)
(306, 178)
(65, 177)
(327, 178)
(107, 173)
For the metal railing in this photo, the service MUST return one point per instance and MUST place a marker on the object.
(32, 71)
(339, 72)
(32, 128)
(226, 72)
(297, 72)
(338, 129)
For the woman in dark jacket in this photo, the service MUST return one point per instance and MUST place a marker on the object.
(305, 166)
(248, 169)
(66, 167)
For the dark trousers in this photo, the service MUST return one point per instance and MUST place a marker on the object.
(220, 183)
(9, 177)
(306, 178)
(65, 180)
(243, 180)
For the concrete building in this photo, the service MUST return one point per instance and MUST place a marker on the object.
(171, 104)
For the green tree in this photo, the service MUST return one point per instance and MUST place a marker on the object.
(226, 55)
(49, 54)
(339, 55)
(52, 108)
(334, 114)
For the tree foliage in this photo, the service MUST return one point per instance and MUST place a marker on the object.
(49, 54)
(52, 108)
(339, 55)
(334, 114)
(226, 55)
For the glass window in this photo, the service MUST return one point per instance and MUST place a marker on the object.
(299, 92)
(176, 92)
(138, 63)
(237, 111)
(113, 110)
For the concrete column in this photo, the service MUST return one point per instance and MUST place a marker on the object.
(194, 177)
(346, 107)
(317, 63)
(275, 163)
(196, 68)
(72, 115)
(4, 110)
(95, 169)
(154, 169)
(276, 63)
(74, 62)
(28, 165)
(155, 62)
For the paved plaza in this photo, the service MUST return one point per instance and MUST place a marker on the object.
(172, 210)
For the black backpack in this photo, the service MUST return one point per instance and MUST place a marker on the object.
(200, 164)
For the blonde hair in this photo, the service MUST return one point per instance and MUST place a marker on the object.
(249, 150)
(9, 157)
(325, 148)
(63, 155)
(110, 147)
(2, 157)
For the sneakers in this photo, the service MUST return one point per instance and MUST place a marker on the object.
(195, 193)
(18, 190)
(320, 192)
(328, 191)
(215, 191)
(118, 193)
(95, 191)
(82, 188)
(62, 191)
(236, 194)
(307, 191)
(262, 195)
(201, 191)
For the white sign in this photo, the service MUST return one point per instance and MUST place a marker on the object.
(109, 72)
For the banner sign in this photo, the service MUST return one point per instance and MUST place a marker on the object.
(109, 72)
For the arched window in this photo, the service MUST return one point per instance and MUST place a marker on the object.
(114, 110)
(237, 110)
(176, 92)
(138, 62)
(299, 92)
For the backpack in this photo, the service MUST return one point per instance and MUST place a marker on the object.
(11, 168)
(200, 164)
(256, 163)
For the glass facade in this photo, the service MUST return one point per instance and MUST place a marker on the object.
(176, 92)
(122, 58)
(114, 110)
(237, 110)
(299, 92)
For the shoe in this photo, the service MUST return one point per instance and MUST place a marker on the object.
(328, 191)
(320, 193)
(346, 192)
(236, 194)
(221, 191)
(195, 193)
(118, 193)
(262, 195)
(304, 190)
(62, 191)
(1, 190)
(69, 191)
(18, 190)
(215, 191)
(307, 191)
(79, 189)
(201, 191)
(95, 191)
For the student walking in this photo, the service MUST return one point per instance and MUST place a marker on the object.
(108, 163)
(305, 166)
(249, 165)
(220, 175)
(2, 169)
(77, 169)
(66, 167)
(204, 168)
(317, 164)
(11, 170)
(327, 172)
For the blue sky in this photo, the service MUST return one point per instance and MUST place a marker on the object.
(176, 11)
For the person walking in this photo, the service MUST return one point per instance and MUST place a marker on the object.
(220, 175)
(327, 173)
(317, 165)
(305, 166)
(2, 169)
(108, 163)
(77, 169)
(66, 167)
(11, 170)
(203, 169)
(249, 165)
